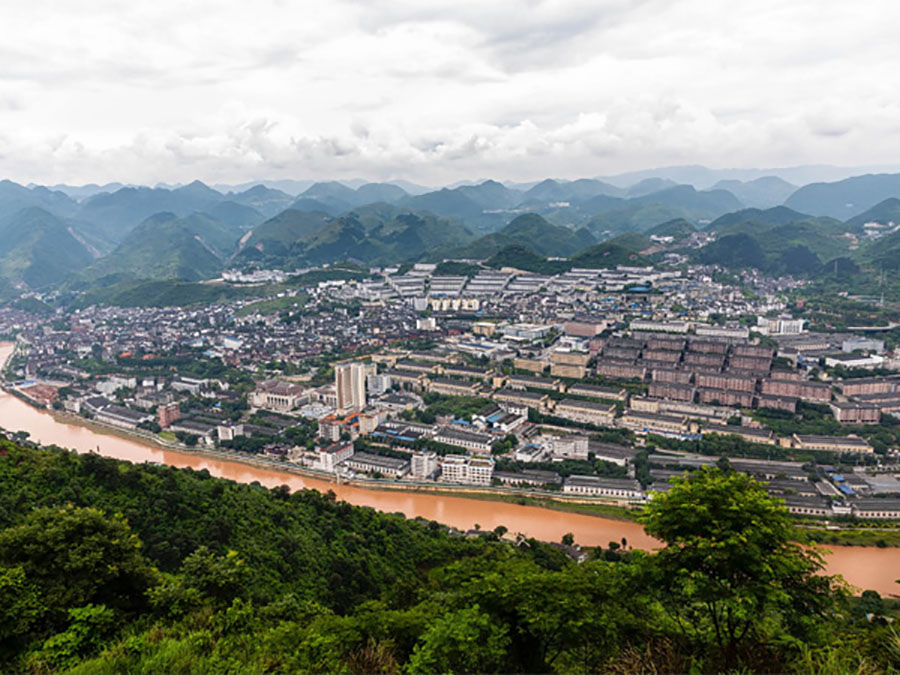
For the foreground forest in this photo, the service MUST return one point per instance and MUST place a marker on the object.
(109, 567)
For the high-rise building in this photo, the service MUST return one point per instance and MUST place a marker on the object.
(350, 385)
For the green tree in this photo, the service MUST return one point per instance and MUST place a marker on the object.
(724, 465)
(89, 628)
(729, 574)
(220, 578)
(77, 556)
(464, 641)
(20, 609)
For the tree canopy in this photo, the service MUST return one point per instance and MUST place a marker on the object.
(109, 567)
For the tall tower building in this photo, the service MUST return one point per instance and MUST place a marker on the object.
(350, 386)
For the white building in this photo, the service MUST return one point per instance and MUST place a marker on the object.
(424, 464)
(569, 447)
(378, 384)
(327, 459)
(869, 362)
(783, 325)
(731, 332)
(426, 324)
(228, 431)
(467, 470)
(470, 440)
(660, 326)
(620, 488)
(278, 395)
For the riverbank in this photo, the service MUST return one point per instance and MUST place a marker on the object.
(868, 567)
(808, 534)
(430, 500)
(555, 502)
(862, 537)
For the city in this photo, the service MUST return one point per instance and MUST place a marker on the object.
(407, 338)
(592, 385)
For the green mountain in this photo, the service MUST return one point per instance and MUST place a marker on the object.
(262, 199)
(579, 190)
(238, 215)
(447, 203)
(826, 239)
(633, 241)
(847, 198)
(639, 214)
(309, 205)
(531, 231)
(218, 236)
(397, 237)
(14, 198)
(759, 218)
(471, 205)
(763, 193)
(166, 247)
(884, 212)
(371, 193)
(634, 217)
(790, 248)
(373, 233)
(607, 256)
(734, 251)
(678, 228)
(38, 250)
(491, 195)
(522, 258)
(283, 235)
(881, 253)
(601, 256)
(701, 204)
(114, 215)
(649, 186)
(336, 196)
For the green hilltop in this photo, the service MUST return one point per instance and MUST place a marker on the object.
(165, 247)
(531, 231)
(39, 250)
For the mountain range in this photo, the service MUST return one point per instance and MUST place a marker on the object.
(91, 235)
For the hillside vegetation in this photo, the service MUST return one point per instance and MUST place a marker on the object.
(109, 567)
(39, 250)
(165, 247)
(532, 232)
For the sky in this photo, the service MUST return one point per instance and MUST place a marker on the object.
(437, 91)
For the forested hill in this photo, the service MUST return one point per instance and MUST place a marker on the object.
(109, 567)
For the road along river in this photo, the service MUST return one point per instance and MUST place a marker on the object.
(868, 568)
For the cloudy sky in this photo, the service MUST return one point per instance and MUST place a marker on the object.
(440, 90)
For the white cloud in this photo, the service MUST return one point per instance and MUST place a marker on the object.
(440, 91)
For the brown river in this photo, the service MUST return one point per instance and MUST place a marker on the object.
(867, 568)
